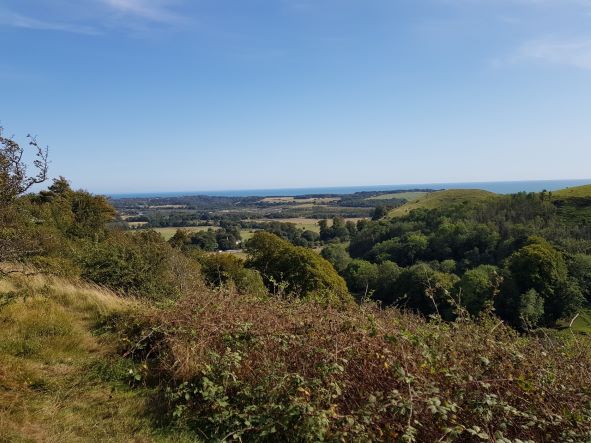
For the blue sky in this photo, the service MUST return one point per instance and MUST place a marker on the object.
(175, 95)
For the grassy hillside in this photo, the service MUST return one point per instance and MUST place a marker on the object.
(60, 377)
(577, 191)
(440, 199)
(574, 204)
(409, 196)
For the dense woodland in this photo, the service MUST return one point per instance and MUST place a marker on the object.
(440, 325)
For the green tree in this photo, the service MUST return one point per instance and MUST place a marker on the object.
(304, 271)
(531, 308)
(16, 241)
(478, 287)
(140, 264)
(225, 269)
(425, 290)
(361, 276)
(337, 255)
(539, 266)
(580, 269)
(379, 213)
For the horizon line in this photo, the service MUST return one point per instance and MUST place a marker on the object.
(304, 188)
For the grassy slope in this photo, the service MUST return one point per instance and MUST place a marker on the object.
(574, 204)
(443, 198)
(409, 196)
(59, 381)
(577, 191)
(581, 324)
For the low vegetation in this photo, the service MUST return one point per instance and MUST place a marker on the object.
(273, 370)
(61, 377)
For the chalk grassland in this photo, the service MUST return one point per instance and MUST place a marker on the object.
(408, 196)
(577, 191)
(441, 199)
(60, 378)
(574, 204)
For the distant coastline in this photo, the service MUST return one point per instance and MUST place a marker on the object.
(502, 187)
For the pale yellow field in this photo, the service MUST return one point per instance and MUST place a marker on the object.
(302, 223)
(312, 200)
(167, 233)
(136, 225)
(307, 223)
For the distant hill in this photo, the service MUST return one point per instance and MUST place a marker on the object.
(577, 191)
(440, 199)
(574, 204)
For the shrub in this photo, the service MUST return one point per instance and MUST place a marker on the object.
(304, 271)
(225, 269)
(141, 264)
(271, 370)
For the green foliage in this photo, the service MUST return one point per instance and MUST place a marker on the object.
(337, 255)
(226, 269)
(425, 290)
(540, 267)
(531, 308)
(340, 230)
(141, 264)
(291, 232)
(361, 276)
(580, 269)
(76, 214)
(519, 236)
(304, 271)
(478, 287)
(379, 213)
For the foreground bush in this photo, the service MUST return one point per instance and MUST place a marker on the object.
(269, 370)
(141, 264)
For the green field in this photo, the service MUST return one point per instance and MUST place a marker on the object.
(408, 196)
(583, 322)
(441, 199)
(61, 375)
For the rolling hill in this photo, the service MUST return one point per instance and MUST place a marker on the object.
(574, 204)
(575, 192)
(440, 199)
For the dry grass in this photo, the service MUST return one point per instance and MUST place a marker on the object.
(59, 380)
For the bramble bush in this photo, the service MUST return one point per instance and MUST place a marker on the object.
(237, 367)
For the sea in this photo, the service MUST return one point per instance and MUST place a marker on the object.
(501, 187)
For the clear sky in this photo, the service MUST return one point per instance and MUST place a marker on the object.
(183, 95)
